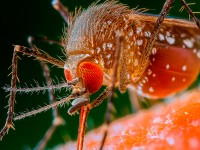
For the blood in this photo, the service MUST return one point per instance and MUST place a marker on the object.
(171, 69)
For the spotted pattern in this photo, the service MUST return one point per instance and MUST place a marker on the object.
(97, 42)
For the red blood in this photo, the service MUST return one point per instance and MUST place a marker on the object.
(92, 76)
(171, 70)
(68, 75)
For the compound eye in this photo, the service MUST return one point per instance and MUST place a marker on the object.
(92, 76)
(68, 74)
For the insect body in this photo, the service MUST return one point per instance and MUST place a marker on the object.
(102, 33)
(172, 66)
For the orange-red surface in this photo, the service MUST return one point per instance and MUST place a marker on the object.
(173, 125)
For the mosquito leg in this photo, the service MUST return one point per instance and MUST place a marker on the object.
(57, 119)
(123, 81)
(11, 101)
(50, 106)
(135, 104)
(144, 60)
(123, 69)
(119, 44)
(43, 142)
(39, 55)
(62, 10)
(191, 13)
(100, 99)
(32, 39)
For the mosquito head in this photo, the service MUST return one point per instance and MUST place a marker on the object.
(91, 75)
(67, 73)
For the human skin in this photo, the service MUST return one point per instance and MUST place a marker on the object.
(170, 125)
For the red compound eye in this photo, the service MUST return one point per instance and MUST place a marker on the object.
(68, 75)
(91, 75)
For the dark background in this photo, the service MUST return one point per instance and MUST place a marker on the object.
(22, 18)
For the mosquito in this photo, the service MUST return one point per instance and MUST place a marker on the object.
(113, 45)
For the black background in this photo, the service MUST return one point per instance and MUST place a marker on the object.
(22, 18)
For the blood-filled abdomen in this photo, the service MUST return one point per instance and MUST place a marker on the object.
(171, 70)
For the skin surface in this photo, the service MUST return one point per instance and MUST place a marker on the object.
(166, 126)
